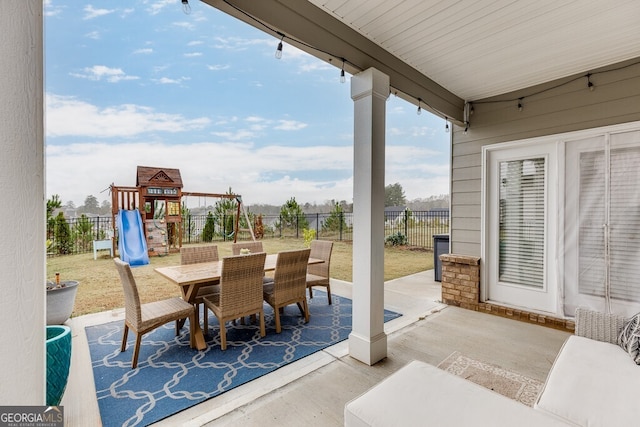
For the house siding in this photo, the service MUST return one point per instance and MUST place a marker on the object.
(555, 108)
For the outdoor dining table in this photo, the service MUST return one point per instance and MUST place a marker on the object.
(191, 276)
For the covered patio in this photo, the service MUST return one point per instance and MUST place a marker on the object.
(498, 73)
(314, 390)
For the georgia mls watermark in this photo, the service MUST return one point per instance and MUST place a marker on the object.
(31, 416)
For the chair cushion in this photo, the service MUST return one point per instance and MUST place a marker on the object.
(208, 290)
(313, 278)
(267, 288)
(161, 312)
(592, 383)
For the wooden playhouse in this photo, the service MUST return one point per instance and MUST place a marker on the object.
(158, 196)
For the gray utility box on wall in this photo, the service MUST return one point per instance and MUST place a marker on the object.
(440, 247)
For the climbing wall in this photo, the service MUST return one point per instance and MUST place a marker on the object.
(156, 237)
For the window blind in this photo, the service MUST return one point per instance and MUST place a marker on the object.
(522, 215)
(624, 230)
(591, 262)
(622, 220)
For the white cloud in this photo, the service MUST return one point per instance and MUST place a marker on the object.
(422, 131)
(91, 12)
(239, 44)
(156, 6)
(313, 65)
(195, 43)
(257, 127)
(99, 72)
(238, 135)
(94, 35)
(67, 116)
(270, 174)
(218, 67)
(265, 175)
(144, 51)
(290, 125)
(184, 24)
(50, 9)
(167, 80)
(192, 54)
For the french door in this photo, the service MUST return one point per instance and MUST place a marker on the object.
(602, 223)
(519, 223)
(561, 222)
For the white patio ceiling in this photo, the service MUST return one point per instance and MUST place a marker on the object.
(477, 49)
(451, 51)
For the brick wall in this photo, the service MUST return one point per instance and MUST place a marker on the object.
(461, 287)
(461, 280)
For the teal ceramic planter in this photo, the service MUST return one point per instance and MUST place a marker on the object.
(58, 362)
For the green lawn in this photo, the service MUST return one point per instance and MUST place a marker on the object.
(100, 287)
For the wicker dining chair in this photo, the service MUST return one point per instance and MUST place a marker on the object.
(289, 284)
(198, 254)
(252, 246)
(143, 318)
(240, 292)
(318, 274)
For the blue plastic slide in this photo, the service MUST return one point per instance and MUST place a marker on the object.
(132, 245)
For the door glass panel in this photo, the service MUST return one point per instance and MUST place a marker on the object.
(591, 213)
(624, 219)
(521, 222)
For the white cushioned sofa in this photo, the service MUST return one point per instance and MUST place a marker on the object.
(591, 383)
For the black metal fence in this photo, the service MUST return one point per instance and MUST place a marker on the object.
(75, 235)
(413, 228)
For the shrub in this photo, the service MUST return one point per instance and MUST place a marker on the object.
(62, 235)
(397, 239)
(209, 228)
(309, 235)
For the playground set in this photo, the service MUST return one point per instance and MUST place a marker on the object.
(148, 217)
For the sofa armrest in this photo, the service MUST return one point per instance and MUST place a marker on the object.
(598, 326)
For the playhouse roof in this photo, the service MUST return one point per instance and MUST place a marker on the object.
(163, 177)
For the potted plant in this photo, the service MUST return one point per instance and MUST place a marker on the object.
(61, 295)
(58, 362)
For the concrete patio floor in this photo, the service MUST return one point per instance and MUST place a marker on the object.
(314, 390)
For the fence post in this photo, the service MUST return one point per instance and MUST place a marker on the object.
(317, 225)
(406, 224)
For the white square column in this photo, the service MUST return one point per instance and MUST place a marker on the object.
(369, 91)
(22, 177)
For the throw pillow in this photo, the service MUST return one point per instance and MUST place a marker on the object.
(629, 338)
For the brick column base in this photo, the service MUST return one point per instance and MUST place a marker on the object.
(461, 287)
(461, 281)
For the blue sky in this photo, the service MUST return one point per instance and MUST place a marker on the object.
(140, 82)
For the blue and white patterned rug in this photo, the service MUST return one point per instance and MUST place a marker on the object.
(172, 377)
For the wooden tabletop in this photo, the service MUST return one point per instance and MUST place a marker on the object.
(204, 272)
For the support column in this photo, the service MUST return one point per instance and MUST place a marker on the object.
(369, 91)
(22, 245)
